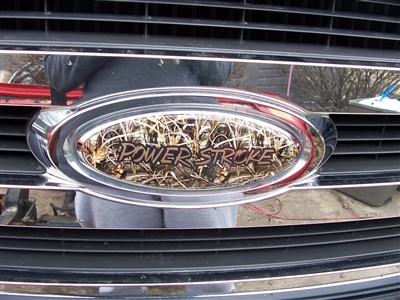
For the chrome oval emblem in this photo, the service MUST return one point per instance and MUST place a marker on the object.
(128, 150)
(190, 150)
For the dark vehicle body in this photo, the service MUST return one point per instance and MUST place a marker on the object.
(302, 68)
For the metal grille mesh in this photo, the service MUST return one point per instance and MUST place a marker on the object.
(366, 144)
(189, 254)
(15, 155)
(351, 24)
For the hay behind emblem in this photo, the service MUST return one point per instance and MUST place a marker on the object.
(189, 151)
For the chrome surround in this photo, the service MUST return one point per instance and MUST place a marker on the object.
(270, 59)
(53, 179)
(46, 134)
(250, 286)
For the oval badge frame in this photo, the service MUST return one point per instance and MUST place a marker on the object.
(72, 136)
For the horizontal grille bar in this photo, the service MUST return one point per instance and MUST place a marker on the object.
(376, 288)
(369, 134)
(249, 7)
(20, 163)
(363, 120)
(343, 179)
(325, 24)
(276, 8)
(175, 251)
(200, 23)
(360, 164)
(365, 148)
(240, 233)
(192, 47)
(142, 247)
(22, 179)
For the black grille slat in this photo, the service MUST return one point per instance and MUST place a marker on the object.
(366, 144)
(63, 250)
(323, 26)
(277, 8)
(386, 178)
(19, 163)
(360, 164)
(239, 233)
(367, 148)
(368, 135)
(15, 155)
(140, 246)
(23, 179)
(16, 113)
(186, 261)
(121, 41)
(12, 129)
(364, 120)
(202, 23)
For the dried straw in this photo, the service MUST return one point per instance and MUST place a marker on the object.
(197, 132)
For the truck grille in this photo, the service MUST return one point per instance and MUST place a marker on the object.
(75, 255)
(311, 28)
(366, 144)
(15, 155)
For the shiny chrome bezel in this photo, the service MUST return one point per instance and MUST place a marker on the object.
(46, 129)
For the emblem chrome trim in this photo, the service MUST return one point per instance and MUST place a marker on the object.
(58, 134)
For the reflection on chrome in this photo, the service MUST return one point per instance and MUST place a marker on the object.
(315, 87)
(278, 128)
(246, 146)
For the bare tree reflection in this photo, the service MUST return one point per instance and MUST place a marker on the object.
(332, 88)
(25, 68)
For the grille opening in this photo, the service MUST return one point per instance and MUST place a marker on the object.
(66, 25)
(375, 8)
(103, 7)
(292, 3)
(104, 27)
(394, 129)
(361, 164)
(177, 30)
(369, 133)
(17, 113)
(371, 143)
(20, 162)
(200, 12)
(372, 147)
(15, 155)
(12, 127)
(363, 120)
(366, 159)
(282, 18)
(366, 144)
(23, 5)
(13, 144)
(290, 37)
(22, 24)
(12, 157)
(363, 43)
